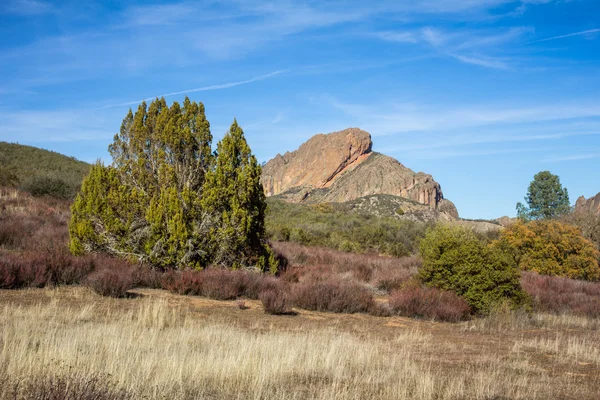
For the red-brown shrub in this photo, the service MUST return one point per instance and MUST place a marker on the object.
(318, 264)
(429, 303)
(562, 295)
(146, 276)
(39, 269)
(112, 277)
(256, 283)
(112, 282)
(276, 301)
(187, 282)
(332, 296)
(390, 279)
(222, 284)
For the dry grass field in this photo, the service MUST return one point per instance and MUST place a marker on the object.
(165, 346)
(208, 336)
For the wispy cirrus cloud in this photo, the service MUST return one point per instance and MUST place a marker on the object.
(401, 118)
(464, 46)
(573, 157)
(590, 33)
(26, 7)
(202, 89)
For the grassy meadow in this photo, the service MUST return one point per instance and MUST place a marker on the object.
(332, 325)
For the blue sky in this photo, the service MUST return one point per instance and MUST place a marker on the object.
(482, 94)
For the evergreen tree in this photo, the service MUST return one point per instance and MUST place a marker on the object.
(152, 205)
(546, 198)
(234, 194)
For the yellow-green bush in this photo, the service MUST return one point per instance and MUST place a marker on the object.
(551, 247)
(455, 259)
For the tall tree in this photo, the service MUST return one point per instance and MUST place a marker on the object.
(546, 198)
(234, 194)
(151, 204)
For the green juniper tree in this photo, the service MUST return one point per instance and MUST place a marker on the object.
(151, 203)
(546, 198)
(234, 194)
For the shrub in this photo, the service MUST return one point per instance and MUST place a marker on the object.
(322, 264)
(562, 295)
(392, 276)
(429, 303)
(218, 284)
(111, 280)
(48, 186)
(552, 248)
(187, 282)
(39, 269)
(455, 259)
(22, 270)
(68, 387)
(333, 296)
(222, 284)
(276, 301)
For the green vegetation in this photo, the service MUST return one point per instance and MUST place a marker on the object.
(546, 198)
(330, 225)
(40, 172)
(552, 248)
(455, 259)
(168, 200)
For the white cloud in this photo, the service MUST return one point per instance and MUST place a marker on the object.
(589, 32)
(574, 157)
(202, 89)
(390, 119)
(464, 46)
(481, 61)
(26, 7)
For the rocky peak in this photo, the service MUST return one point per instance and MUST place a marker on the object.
(317, 162)
(340, 167)
(588, 205)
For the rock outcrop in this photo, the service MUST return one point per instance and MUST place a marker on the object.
(588, 205)
(340, 167)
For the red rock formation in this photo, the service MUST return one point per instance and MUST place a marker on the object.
(340, 167)
(590, 205)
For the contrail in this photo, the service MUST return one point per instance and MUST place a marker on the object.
(202, 89)
(567, 35)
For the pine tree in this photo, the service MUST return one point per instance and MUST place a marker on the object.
(154, 202)
(546, 198)
(234, 193)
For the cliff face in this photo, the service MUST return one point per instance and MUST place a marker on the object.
(588, 205)
(340, 167)
(317, 162)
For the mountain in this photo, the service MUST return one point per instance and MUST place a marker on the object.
(590, 205)
(42, 171)
(341, 167)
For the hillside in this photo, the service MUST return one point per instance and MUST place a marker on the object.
(40, 171)
(341, 167)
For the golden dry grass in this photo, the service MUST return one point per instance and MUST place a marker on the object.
(164, 346)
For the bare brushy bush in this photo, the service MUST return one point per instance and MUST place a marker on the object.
(429, 303)
(559, 295)
(333, 296)
(276, 301)
(113, 277)
(68, 387)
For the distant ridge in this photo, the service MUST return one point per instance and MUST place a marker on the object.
(23, 166)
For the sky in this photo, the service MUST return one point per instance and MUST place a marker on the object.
(481, 94)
